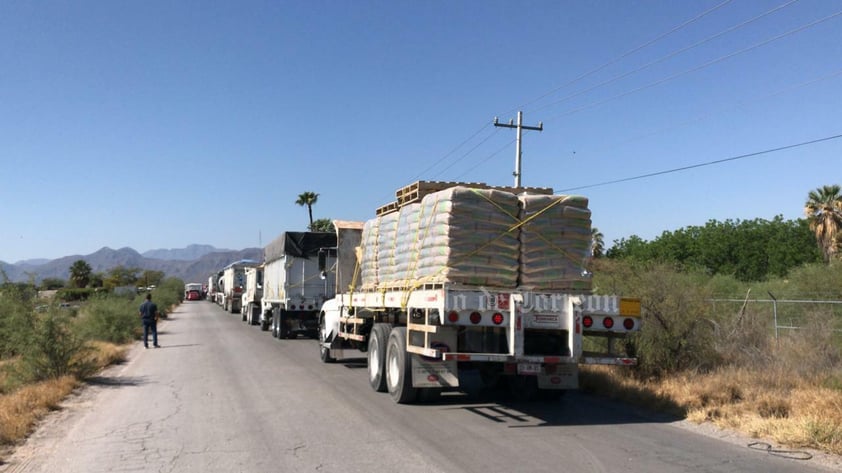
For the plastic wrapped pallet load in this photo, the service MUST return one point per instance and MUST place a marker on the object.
(555, 242)
(459, 235)
(368, 253)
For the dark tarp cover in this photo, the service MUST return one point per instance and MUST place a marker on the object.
(299, 245)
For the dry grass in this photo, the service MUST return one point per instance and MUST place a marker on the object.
(20, 410)
(775, 403)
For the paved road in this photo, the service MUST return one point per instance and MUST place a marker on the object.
(221, 396)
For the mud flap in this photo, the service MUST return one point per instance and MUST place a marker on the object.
(560, 376)
(432, 372)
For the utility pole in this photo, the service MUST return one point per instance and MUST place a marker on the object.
(520, 129)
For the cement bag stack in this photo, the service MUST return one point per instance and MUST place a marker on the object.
(555, 242)
(462, 236)
(368, 254)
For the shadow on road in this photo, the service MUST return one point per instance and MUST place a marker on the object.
(575, 408)
(354, 363)
(116, 381)
(178, 346)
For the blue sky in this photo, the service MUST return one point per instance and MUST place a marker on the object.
(159, 124)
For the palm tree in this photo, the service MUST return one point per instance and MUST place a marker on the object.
(824, 213)
(597, 243)
(80, 273)
(309, 199)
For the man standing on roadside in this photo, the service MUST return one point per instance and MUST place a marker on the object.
(149, 316)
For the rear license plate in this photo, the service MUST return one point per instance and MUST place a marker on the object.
(528, 368)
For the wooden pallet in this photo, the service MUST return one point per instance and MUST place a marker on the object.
(387, 209)
(418, 190)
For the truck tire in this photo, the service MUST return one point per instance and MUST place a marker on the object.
(275, 316)
(243, 314)
(324, 352)
(399, 368)
(378, 339)
(264, 323)
(283, 327)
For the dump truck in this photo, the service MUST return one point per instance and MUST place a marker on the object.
(232, 284)
(294, 287)
(252, 295)
(456, 278)
(214, 294)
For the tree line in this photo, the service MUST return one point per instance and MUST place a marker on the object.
(750, 250)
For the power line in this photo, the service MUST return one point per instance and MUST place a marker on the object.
(709, 163)
(704, 116)
(485, 160)
(467, 153)
(625, 54)
(668, 56)
(700, 67)
(421, 174)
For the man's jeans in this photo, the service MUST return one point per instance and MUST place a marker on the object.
(150, 326)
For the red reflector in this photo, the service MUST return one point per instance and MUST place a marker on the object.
(608, 322)
(453, 316)
(587, 321)
(476, 317)
(497, 318)
(433, 378)
(628, 324)
(555, 380)
(301, 307)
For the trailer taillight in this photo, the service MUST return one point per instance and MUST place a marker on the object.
(453, 316)
(587, 321)
(497, 318)
(310, 307)
(476, 317)
(628, 324)
(608, 322)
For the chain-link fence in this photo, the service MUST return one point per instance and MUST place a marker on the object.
(785, 314)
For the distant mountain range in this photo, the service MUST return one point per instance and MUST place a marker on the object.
(194, 263)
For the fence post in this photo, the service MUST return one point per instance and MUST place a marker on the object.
(775, 312)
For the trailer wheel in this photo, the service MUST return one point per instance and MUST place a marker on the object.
(283, 329)
(378, 339)
(324, 352)
(399, 368)
(275, 316)
(264, 324)
(243, 313)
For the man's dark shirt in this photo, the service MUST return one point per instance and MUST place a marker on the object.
(147, 311)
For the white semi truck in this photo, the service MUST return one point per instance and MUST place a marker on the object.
(488, 280)
(252, 295)
(232, 284)
(293, 286)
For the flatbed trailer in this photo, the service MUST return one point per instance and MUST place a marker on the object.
(418, 338)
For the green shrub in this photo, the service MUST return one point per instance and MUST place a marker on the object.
(16, 319)
(54, 350)
(68, 294)
(109, 319)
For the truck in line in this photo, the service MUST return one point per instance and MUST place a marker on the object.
(252, 295)
(232, 284)
(193, 291)
(471, 278)
(214, 293)
(294, 288)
